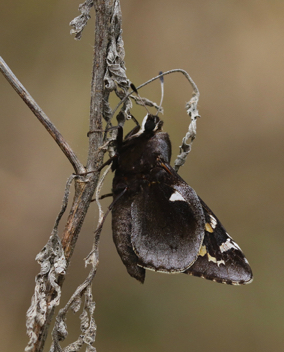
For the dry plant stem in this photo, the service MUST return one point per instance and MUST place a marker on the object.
(84, 185)
(96, 110)
(85, 190)
(88, 326)
(27, 98)
(103, 14)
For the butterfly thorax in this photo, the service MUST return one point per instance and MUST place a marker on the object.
(138, 155)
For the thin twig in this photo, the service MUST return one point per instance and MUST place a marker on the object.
(42, 117)
(191, 109)
(194, 86)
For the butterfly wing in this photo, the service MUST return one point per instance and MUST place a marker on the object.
(121, 230)
(220, 258)
(159, 222)
(167, 223)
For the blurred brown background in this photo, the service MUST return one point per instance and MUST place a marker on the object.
(234, 52)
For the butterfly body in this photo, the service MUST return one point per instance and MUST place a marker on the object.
(159, 222)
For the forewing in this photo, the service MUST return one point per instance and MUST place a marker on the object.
(167, 227)
(220, 258)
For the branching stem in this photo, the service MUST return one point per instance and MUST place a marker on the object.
(42, 117)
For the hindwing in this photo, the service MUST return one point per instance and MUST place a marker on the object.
(220, 258)
(167, 230)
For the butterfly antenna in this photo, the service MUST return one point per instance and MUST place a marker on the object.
(136, 92)
(162, 92)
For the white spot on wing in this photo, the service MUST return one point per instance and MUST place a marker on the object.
(176, 197)
(213, 222)
(203, 251)
(229, 244)
(214, 260)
